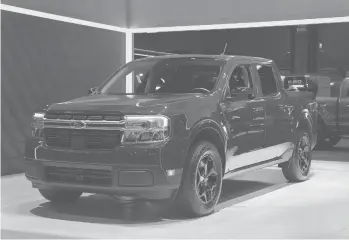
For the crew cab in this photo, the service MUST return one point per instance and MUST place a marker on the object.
(172, 128)
(333, 115)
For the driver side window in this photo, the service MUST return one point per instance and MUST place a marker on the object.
(240, 80)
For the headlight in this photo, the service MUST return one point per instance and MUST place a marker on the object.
(146, 129)
(38, 125)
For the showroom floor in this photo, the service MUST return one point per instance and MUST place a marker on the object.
(260, 204)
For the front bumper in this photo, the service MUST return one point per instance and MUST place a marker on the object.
(134, 172)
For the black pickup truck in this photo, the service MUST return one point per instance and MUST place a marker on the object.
(333, 115)
(172, 127)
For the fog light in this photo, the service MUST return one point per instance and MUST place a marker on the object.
(171, 172)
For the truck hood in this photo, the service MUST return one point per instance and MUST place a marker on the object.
(121, 103)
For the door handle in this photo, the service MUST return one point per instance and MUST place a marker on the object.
(258, 109)
(235, 117)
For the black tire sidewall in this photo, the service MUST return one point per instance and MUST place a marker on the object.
(188, 193)
(292, 171)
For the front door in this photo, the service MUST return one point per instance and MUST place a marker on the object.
(245, 117)
(343, 108)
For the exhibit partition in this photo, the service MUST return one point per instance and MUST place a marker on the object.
(44, 61)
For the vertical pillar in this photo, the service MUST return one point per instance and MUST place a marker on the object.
(129, 57)
(314, 49)
(304, 49)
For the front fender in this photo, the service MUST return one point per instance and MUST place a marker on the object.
(213, 125)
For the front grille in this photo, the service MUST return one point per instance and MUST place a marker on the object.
(80, 139)
(92, 177)
(52, 116)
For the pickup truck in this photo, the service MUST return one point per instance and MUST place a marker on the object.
(185, 123)
(333, 115)
(302, 83)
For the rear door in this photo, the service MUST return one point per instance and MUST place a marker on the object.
(343, 108)
(278, 112)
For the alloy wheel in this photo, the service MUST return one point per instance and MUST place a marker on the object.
(303, 154)
(206, 179)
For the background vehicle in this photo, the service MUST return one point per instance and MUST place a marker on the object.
(306, 84)
(188, 123)
(333, 115)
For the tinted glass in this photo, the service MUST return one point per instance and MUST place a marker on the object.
(167, 76)
(268, 81)
(241, 80)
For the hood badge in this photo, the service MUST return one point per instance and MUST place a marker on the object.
(78, 124)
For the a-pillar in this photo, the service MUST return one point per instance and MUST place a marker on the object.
(304, 49)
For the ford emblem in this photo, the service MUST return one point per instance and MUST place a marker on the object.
(78, 124)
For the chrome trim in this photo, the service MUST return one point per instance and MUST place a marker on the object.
(254, 168)
(257, 156)
(90, 124)
(283, 158)
(93, 125)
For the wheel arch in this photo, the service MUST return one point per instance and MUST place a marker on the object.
(210, 130)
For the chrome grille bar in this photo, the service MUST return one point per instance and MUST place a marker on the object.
(88, 124)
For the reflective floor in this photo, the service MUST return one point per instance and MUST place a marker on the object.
(259, 204)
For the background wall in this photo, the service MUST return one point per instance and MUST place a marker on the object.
(335, 40)
(272, 43)
(156, 13)
(45, 61)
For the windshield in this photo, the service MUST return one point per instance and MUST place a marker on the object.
(166, 76)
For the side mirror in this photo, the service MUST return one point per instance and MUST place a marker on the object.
(93, 90)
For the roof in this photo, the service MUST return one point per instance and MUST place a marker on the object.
(218, 57)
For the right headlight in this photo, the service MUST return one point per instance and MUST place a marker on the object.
(38, 125)
(146, 129)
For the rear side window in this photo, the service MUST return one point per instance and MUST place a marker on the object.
(268, 81)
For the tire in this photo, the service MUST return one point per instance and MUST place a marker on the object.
(324, 142)
(60, 196)
(200, 180)
(298, 167)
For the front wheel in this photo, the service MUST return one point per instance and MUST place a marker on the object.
(60, 196)
(298, 167)
(202, 181)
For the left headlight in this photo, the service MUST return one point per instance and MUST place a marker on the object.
(38, 125)
(146, 129)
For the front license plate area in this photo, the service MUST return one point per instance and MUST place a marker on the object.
(77, 142)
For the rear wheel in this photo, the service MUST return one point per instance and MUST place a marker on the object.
(60, 196)
(298, 167)
(202, 181)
